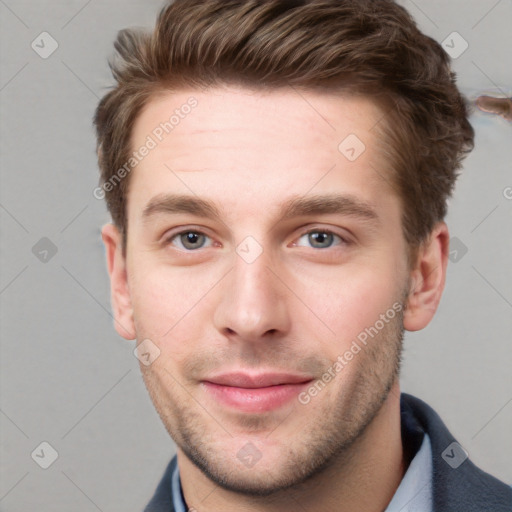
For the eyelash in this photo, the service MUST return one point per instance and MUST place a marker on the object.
(342, 240)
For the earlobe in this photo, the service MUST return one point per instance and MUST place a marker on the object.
(119, 289)
(427, 279)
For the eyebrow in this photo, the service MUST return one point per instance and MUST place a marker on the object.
(328, 204)
(296, 207)
(174, 203)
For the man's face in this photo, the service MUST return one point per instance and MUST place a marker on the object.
(271, 284)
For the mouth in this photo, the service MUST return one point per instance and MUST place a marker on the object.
(255, 393)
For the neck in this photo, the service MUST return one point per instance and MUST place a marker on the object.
(366, 479)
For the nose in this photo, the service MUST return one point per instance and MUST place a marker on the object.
(252, 306)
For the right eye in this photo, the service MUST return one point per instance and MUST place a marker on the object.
(189, 240)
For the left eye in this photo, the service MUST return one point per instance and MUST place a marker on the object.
(190, 240)
(319, 239)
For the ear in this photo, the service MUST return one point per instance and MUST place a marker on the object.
(427, 279)
(119, 290)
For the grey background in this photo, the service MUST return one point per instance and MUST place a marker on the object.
(68, 379)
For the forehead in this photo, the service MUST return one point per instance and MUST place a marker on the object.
(234, 144)
(286, 113)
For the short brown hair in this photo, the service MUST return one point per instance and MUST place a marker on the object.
(369, 47)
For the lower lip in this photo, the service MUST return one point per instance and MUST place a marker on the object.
(257, 399)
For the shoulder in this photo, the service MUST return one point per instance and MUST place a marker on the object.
(458, 485)
(162, 499)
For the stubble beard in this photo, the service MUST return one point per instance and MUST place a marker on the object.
(326, 442)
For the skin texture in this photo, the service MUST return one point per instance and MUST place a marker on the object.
(296, 307)
(499, 106)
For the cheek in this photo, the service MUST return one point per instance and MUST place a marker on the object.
(349, 299)
(169, 306)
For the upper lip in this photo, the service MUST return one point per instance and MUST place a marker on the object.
(257, 380)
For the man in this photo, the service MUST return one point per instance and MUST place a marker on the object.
(277, 174)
